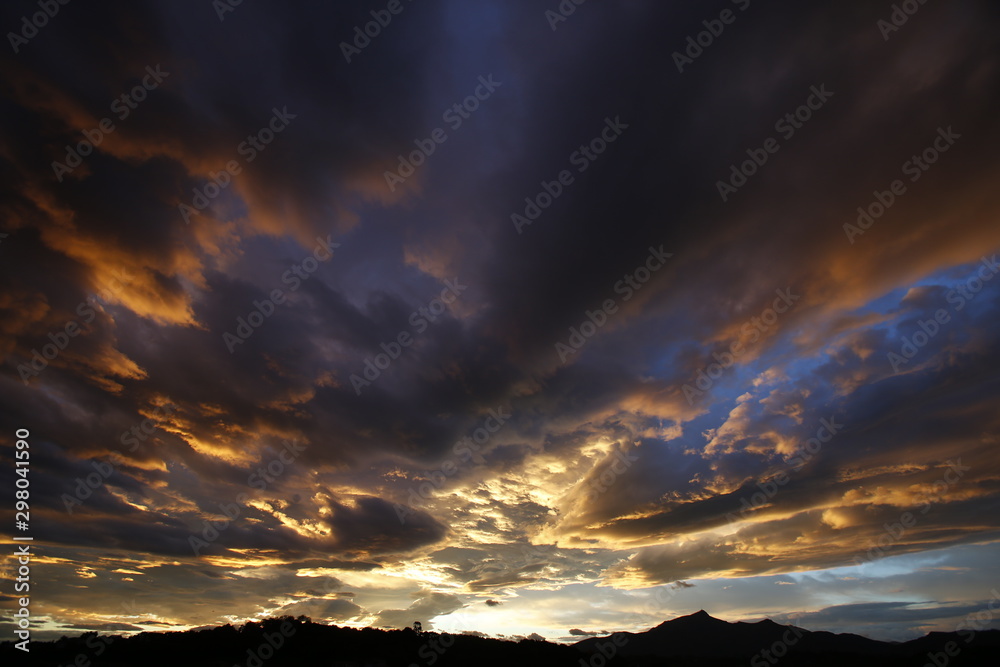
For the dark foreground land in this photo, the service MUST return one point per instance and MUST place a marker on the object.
(697, 640)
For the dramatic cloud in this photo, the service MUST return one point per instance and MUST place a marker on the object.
(495, 315)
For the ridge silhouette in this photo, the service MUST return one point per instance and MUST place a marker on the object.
(696, 640)
(765, 642)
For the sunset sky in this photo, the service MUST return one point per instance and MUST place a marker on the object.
(502, 319)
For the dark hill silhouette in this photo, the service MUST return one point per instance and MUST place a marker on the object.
(689, 641)
(700, 639)
(701, 635)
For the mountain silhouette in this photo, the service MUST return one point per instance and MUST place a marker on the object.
(697, 640)
(765, 642)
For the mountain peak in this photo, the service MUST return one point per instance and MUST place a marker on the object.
(700, 617)
(766, 621)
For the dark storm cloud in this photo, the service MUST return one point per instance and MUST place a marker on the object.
(581, 295)
(865, 612)
(901, 620)
(373, 526)
(161, 338)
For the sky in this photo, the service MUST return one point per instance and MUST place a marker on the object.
(506, 317)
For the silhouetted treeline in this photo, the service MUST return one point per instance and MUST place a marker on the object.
(290, 641)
